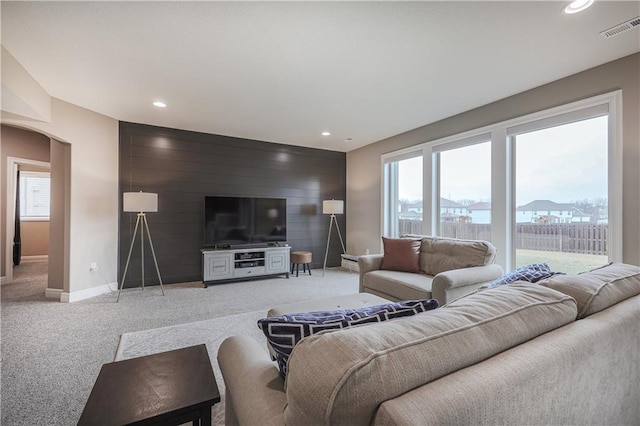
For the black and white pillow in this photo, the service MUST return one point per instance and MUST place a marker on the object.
(532, 273)
(283, 332)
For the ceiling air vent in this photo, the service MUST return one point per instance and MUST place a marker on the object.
(620, 28)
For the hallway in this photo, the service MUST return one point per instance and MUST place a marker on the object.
(29, 282)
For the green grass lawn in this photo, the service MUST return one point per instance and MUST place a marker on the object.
(561, 262)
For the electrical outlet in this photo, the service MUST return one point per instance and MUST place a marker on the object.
(93, 267)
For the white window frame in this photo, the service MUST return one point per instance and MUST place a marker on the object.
(25, 174)
(503, 166)
(389, 188)
(435, 153)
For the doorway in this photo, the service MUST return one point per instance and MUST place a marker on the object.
(33, 220)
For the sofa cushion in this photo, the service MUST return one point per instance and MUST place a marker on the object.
(401, 254)
(531, 273)
(439, 254)
(599, 288)
(283, 332)
(364, 366)
(398, 285)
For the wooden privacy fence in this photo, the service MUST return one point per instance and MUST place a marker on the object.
(586, 238)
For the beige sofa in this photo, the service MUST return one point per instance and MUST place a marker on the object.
(449, 268)
(510, 355)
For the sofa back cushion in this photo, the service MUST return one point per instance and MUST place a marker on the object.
(284, 332)
(440, 254)
(367, 365)
(599, 288)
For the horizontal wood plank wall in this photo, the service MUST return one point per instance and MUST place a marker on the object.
(183, 167)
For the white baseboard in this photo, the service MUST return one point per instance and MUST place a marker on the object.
(3, 280)
(75, 296)
(36, 257)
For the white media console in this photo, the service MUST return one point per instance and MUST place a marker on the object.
(233, 264)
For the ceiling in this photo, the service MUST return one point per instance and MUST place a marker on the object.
(286, 71)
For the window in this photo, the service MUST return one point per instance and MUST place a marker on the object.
(34, 195)
(464, 189)
(546, 187)
(403, 206)
(558, 168)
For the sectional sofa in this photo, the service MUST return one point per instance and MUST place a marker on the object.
(565, 350)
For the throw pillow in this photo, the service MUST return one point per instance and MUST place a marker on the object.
(532, 273)
(401, 254)
(285, 331)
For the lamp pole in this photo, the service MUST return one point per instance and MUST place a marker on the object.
(332, 207)
(140, 202)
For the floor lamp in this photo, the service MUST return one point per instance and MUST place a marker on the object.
(332, 207)
(140, 202)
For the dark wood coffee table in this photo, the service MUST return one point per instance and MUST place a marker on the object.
(168, 388)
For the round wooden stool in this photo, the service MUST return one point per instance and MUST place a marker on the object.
(301, 258)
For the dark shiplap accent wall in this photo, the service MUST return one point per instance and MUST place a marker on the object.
(183, 167)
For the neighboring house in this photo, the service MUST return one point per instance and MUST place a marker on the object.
(480, 212)
(450, 211)
(411, 215)
(411, 210)
(547, 211)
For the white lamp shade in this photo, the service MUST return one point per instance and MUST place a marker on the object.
(139, 202)
(333, 207)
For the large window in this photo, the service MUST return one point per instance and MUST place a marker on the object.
(34, 195)
(403, 195)
(464, 209)
(546, 187)
(561, 195)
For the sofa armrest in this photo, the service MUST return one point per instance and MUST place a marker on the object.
(457, 282)
(254, 388)
(368, 263)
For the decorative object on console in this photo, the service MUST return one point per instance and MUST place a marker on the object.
(285, 331)
(140, 202)
(332, 207)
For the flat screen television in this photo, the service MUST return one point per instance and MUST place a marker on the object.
(240, 221)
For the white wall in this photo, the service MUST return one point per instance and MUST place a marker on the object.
(363, 165)
(94, 189)
(93, 225)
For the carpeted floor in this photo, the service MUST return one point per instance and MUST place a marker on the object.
(52, 352)
(210, 332)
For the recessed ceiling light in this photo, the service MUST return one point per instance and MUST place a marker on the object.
(347, 140)
(326, 134)
(577, 6)
(159, 104)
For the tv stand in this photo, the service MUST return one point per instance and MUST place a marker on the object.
(243, 263)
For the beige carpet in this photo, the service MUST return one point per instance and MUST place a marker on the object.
(210, 332)
(52, 352)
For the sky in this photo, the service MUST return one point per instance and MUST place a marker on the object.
(563, 164)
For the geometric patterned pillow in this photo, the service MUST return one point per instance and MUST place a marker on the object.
(283, 332)
(531, 273)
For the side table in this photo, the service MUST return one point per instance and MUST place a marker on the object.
(167, 388)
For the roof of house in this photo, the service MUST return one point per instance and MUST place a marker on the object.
(482, 205)
(448, 203)
(544, 205)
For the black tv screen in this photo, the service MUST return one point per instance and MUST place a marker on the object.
(237, 221)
